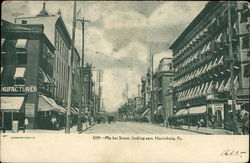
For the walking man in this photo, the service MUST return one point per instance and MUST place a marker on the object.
(26, 122)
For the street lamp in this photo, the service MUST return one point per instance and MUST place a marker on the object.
(188, 106)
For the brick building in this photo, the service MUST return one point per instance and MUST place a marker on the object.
(27, 83)
(202, 65)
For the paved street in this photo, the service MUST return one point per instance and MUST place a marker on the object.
(133, 128)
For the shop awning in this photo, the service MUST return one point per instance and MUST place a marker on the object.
(197, 110)
(62, 109)
(145, 112)
(180, 112)
(46, 78)
(48, 104)
(2, 41)
(72, 110)
(11, 104)
(76, 109)
(21, 43)
(20, 71)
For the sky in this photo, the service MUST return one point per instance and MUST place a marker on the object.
(117, 38)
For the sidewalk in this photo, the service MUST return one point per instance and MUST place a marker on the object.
(201, 130)
(205, 130)
(73, 130)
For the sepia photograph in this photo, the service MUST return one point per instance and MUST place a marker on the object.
(156, 70)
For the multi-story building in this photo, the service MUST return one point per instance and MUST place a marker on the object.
(146, 94)
(27, 82)
(57, 33)
(76, 88)
(138, 102)
(161, 82)
(202, 64)
(88, 89)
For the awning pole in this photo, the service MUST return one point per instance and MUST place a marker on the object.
(2, 119)
(11, 119)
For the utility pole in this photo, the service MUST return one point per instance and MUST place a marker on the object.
(127, 90)
(83, 22)
(99, 80)
(82, 64)
(139, 90)
(151, 79)
(67, 129)
(232, 60)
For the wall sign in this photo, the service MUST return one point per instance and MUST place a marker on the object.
(18, 89)
(29, 110)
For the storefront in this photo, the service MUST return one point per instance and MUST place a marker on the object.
(12, 109)
(212, 114)
(50, 114)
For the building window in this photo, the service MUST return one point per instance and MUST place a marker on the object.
(246, 71)
(19, 81)
(22, 58)
(57, 63)
(24, 22)
(245, 42)
(244, 15)
(170, 80)
(170, 66)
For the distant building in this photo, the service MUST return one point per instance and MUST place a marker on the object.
(27, 83)
(162, 79)
(138, 102)
(201, 62)
(76, 88)
(88, 90)
(146, 94)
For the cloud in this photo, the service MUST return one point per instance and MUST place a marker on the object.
(123, 19)
(95, 41)
(115, 86)
(172, 13)
(171, 18)
(118, 37)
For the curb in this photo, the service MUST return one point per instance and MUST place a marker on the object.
(200, 132)
(86, 129)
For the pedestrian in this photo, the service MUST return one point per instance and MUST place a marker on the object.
(201, 122)
(26, 122)
(198, 124)
(213, 122)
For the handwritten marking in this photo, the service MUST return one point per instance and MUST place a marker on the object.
(230, 152)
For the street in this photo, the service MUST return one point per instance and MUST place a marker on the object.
(133, 128)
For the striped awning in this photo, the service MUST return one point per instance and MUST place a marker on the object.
(73, 111)
(197, 110)
(180, 112)
(48, 104)
(145, 112)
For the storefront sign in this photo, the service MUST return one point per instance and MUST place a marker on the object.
(18, 89)
(230, 102)
(29, 110)
(238, 107)
(210, 97)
